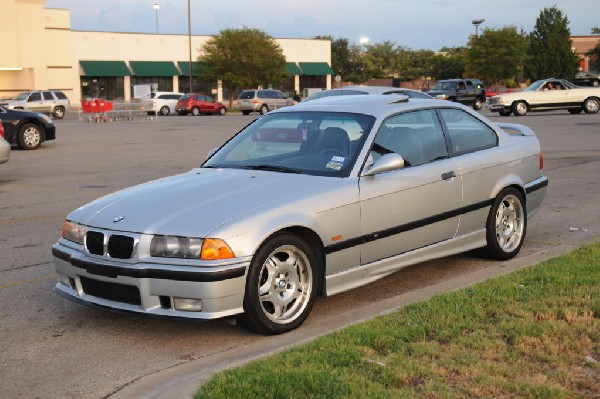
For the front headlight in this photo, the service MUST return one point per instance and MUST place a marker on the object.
(190, 248)
(73, 232)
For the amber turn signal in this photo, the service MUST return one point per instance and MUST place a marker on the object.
(215, 249)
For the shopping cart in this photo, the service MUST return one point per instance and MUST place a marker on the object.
(97, 110)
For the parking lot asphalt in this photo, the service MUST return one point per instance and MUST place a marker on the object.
(53, 348)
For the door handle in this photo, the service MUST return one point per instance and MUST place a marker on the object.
(448, 175)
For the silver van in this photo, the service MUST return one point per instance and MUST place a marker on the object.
(261, 100)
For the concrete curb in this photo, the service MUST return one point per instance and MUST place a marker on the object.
(183, 381)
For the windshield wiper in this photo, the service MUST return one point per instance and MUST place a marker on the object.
(275, 168)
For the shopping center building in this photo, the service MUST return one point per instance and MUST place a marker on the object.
(40, 51)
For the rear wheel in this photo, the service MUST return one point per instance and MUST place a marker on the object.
(195, 111)
(520, 108)
(506, 225)
(264, 109)
(280, 289)
(58, 113)
(478, 104)
(29, 137)
(591, 105)
(595, 83)
(164, 110)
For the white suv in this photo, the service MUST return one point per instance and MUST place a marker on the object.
(51, 102)
(162, 102)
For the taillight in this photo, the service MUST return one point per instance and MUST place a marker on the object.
(541, 161)
(1, 129)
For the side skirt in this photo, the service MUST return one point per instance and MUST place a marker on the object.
(365, 274)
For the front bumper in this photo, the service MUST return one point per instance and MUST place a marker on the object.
(149, 289)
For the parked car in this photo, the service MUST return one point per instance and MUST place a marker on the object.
(163, 102)
(587, 79)
(493, 90)
(308, 200)
(51, 102)
(465, 91)
(197, 104)
(262, 101)
(26, 129)
(362, 90)
(4, 146)
(547, 95)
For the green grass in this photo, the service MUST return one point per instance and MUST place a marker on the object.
(532, 334)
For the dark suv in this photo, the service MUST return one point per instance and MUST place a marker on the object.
(464, 91)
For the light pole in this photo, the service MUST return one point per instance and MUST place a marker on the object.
(477, 22)
(156, 7)
(190, 43)
(363, 41)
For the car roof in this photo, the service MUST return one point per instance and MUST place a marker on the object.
(378, 105)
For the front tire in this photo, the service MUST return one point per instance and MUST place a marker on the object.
(58, 113)
(478, 104)
(591, 105)
(506, 225)
(29, 137)
(195, 111)
(264, 109)
(222, 111)
(280, 288)
(520, 108)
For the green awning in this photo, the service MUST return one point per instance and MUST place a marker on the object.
(154, 68)
(316, 68)
(197, 68)
(105, 68)
(292, 68)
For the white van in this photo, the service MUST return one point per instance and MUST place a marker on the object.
(162, 102)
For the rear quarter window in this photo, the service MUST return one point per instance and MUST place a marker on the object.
(246, 95)
(60, 95)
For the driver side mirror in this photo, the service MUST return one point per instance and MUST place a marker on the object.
(386, 163)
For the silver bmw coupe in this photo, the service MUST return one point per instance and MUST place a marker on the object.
(306, 201)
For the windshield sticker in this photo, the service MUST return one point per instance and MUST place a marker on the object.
(335, 163)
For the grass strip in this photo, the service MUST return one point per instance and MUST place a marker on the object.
(532, 334)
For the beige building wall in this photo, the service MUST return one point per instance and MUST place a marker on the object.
(42, 52)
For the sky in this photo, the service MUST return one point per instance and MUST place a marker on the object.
(414, 24)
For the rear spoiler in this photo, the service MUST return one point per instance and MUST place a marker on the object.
(515, 128)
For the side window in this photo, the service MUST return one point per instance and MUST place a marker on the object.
(48, 95)
(467, 133)
(60, 95)
(417, 136)
(263, 94)
(280, 95)
(35, 97)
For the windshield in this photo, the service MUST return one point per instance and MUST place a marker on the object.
(22, 96)
(314, 143)
(444, 86)
(535, 86)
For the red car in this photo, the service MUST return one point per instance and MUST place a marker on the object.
(197, 104)
(493, 90)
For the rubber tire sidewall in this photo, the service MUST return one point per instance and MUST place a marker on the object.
(58, 113)
(222, 111)
(585, 108)
(195, 111)
(165, 110)
(253, 317)
(478, 104)
(20, 137)
(493, 250)
(264, 109)
(515, 108)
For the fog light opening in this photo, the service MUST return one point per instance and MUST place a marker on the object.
(65, 280)
(187, 305)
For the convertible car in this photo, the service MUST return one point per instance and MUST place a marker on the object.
(547, 95)
(306, 201)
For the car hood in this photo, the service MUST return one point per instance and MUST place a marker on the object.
(193, 203)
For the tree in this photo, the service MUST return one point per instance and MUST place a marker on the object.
(340, 55)
(497, 54)
(242, 58)
(594, 54)
(448, 63)
(549, 53)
